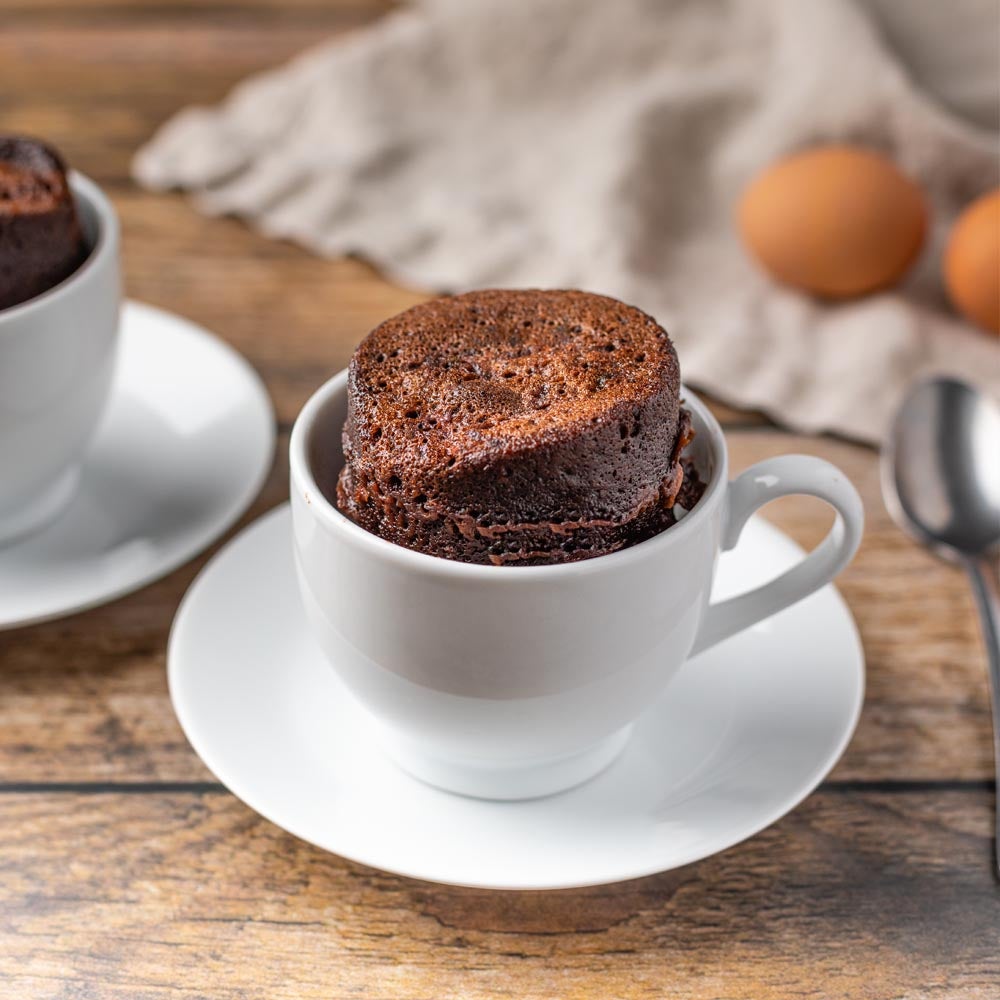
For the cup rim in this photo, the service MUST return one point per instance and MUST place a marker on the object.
(303, 481)
(86, 190)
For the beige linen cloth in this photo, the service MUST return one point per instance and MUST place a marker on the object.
(602, 145)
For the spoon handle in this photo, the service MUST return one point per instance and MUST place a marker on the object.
(987, 592)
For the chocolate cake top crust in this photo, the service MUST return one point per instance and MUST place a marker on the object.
(514, 426)
(41, 242)
(469, 379)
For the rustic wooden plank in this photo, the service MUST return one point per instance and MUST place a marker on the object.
(84, 699)
(59, 11)
(97, 79)
(50, 18)
(188, 896)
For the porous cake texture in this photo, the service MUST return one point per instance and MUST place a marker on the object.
(515, 428)
(41, 242)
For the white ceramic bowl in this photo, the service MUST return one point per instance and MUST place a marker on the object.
(512, 682)
(57, 354)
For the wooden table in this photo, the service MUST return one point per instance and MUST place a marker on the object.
(126, 871)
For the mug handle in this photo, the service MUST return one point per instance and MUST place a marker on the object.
(778, 477)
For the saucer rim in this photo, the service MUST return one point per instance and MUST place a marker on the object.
(220, 526)
(787, 803)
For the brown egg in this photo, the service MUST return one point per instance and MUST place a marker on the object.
(972, 262)
(836, 221)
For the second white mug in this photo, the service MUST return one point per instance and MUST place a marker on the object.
(57, 355)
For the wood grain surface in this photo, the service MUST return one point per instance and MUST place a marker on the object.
(126, 871)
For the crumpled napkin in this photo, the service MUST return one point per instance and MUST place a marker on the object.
(580, 143)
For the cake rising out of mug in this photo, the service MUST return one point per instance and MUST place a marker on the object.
(516, 428)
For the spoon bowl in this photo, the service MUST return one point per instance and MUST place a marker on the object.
(941, 480)
(941, 467)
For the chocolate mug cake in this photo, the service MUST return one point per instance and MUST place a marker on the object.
(41, 241)
(516, 428)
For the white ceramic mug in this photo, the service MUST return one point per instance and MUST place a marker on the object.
(514, 682)
(57, 355)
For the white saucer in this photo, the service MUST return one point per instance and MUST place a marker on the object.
(742, 735)
(182, 450)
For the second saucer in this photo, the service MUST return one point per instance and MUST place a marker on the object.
(182, 450)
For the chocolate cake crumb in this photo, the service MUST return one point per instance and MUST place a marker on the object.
(41, 242)
(515, 428)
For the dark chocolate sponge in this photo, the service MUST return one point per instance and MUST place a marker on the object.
(41, 242)
(514, 427)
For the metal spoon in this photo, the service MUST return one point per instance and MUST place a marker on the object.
(941, 481)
